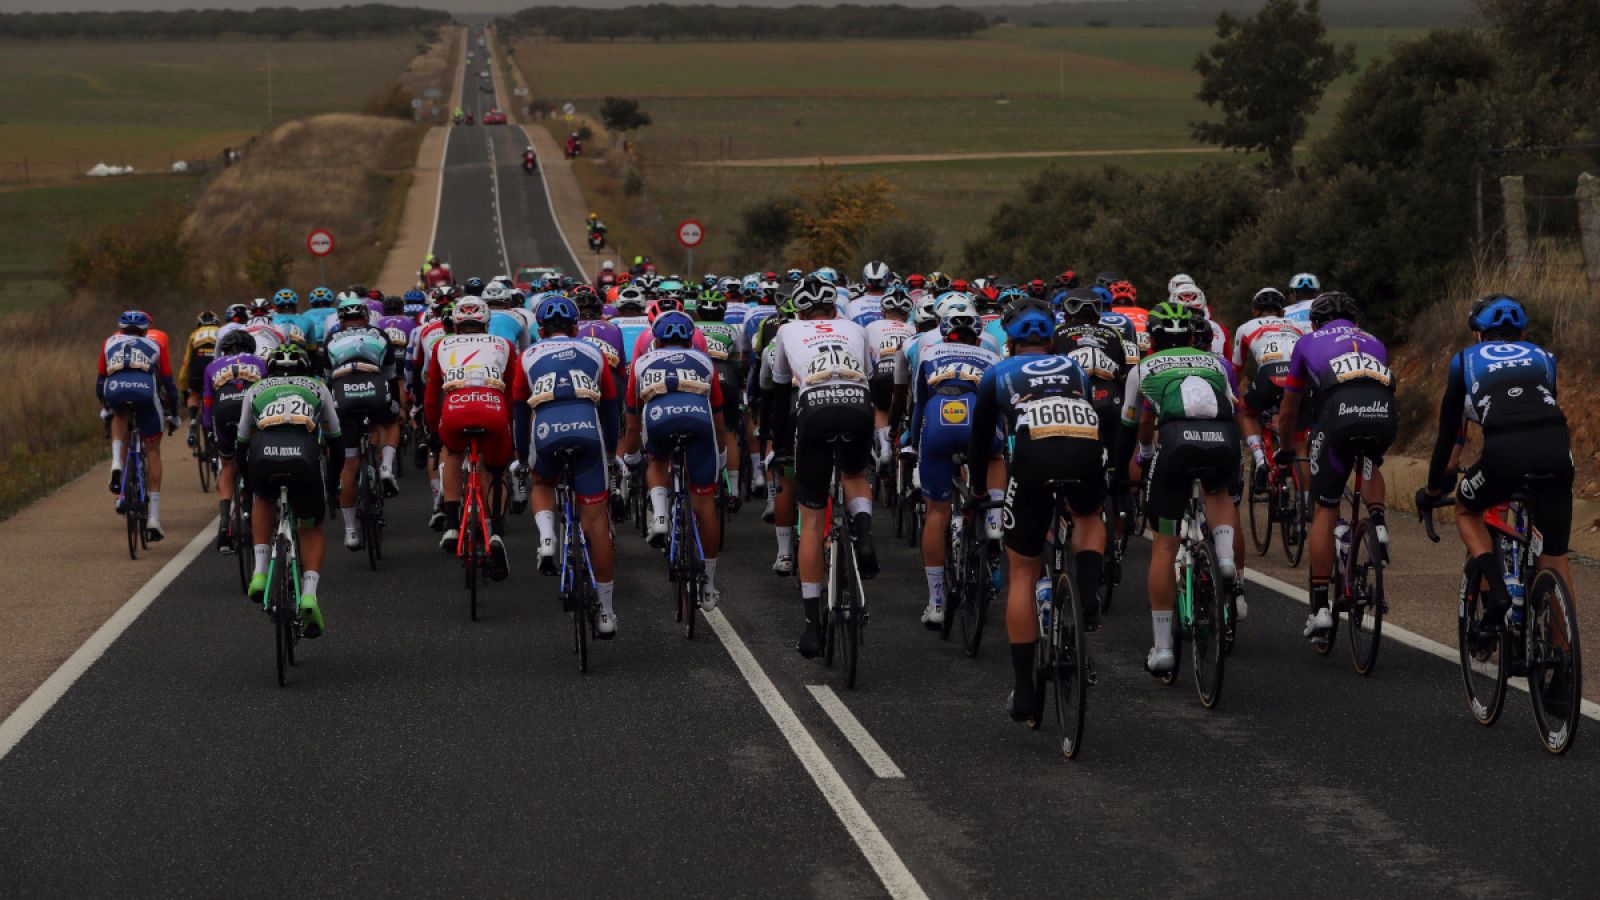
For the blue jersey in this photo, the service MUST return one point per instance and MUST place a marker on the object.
(298, 328)
(631, 327)
(947, 375)
(507, 325)
(1506, 384)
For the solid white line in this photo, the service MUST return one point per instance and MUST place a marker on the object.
(891, 870)
(1400, 635)
(24, 717)
(871, 752)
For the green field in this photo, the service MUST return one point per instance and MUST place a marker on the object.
(1009, 89)
(65, 105)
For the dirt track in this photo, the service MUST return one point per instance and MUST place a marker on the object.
(791, 162)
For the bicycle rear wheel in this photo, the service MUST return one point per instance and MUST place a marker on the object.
(980, 590)
(1485, 655)
(1116, 543)
(956, 586)
(469, 564)
(1205, 604)
(281, 594)
(851, 618)
(1067, 665)
(582, 603)
(1291, 513)
(1555, 662)
(238, 535)
(1367, 601)
(207, 472)
(1261, 513)
(133, 514)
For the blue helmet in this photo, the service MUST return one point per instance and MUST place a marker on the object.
(1497, 311)
(285, 297)
(556, 308)
(1104, 293)
(673, 326)
(1030, 323)
(414, 297)
(321, 297)
(134, 318)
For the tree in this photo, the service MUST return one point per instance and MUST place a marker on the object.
(622, 114)
(906, 246)
(766, 227)
(832, 213)
(1267, 74)
(1556, 59)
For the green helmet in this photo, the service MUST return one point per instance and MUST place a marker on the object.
(1169, 325)
(712, 300)
(289, 359)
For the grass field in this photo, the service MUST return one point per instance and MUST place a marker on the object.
(65, 105)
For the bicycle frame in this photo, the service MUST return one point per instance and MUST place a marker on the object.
(472, 497)
(678, 502)
(577, 543)
(286, 530)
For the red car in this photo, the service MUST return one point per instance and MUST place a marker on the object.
(494, 117)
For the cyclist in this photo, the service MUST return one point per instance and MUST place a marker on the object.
(830, 360)
(295, 327)
(200, 349)
(226, 380)
(261, 326)
(505, 320)
(866, 307)
(1189, 294)
(724, 346)
(1265, 342)
(1303, 288)
(1346, 372)
(438, 325)
(1097, 348)
(466, 388)
(1507, 385)
(285, 420)
(886, 336)
(322, 314)
(948, 375)
(607, 338)
(674, 392)
(563, 380)
(136, 370)
(630, 318)
(1041, 402)
(365, 382)
(415, 304)
(1179, 407)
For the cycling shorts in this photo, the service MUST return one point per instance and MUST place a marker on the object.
(477, 408)
(1265, 392)
(837, 415)
(1187, 449)
(225, 416)
(732, 396)
(1509, 457)
(139, 390)
(946, 428)
(1106, 398)
(1029, 502)
(1355, 418)
(882, 388)
(571, 425)
(363, 396)
(672, 415)
(295, 454)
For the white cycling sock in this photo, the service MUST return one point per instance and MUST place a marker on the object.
(859, 505)
(1161, 628)
(348, 513)
(785, 541)
(658, 501)
(1222, 537)
(1259, 455)
(810, 590)
(155, 504)
(262, 551)
(386, 459)
(733, 482)
(433, 488)
(117, 447)
(605, 590)
(308, 583)
(711, 573)
(547, 526)
(935, 576)
(883, 442)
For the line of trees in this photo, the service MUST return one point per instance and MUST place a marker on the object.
(270, 22)
(661, 21)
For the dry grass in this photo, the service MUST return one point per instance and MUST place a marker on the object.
(346, 173)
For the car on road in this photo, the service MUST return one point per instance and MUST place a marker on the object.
(494, 117)
(527, 275)
(484, 73)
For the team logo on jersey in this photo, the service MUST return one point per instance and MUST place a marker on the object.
(1501, 352)
(1044, 366)
(953, 412)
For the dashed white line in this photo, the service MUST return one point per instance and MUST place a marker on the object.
(872, 753)
(879, 853)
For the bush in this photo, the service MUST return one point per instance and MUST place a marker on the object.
(622, 114)
(136, 262)
(392, 102)
(905, 246)
(633, 185)
(765, 228)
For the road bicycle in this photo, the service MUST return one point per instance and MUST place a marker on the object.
(369, 497)
(204, 448)
(1283, 503)
(972, 576)
(472, 540)
(1356, 587)
(844, 607)
(910, 509)
(1121, 515)
(686, 567)
(1203, 616)
(1061, 651)
(240, 542)
(133, 499)
(1538, 640)
(282, 599)
(577, 586)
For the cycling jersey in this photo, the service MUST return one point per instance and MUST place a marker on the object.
(1336, 357)
(297, 328)
(1346, 372)
(226, 380)
(398, 329)
(753, 317)
(1137, 315)
(1124, 327)
(830, 363)
(1179, 384)
(735, 314)
(675, 391)
(1299, 315)
(646, 341)
(561, 383)
(886, 336)
(913, 347)
(136, 370)
(948, 376)
(284, 423)
(267, 334)
(362, 363)
(503, 323)
(1267, 342)
(865, 309)
(468, 387)
(201, 348)
(631, 327)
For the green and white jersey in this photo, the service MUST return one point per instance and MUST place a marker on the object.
(360, 348)
(722, 340)
(292, 403)
(1181, 383)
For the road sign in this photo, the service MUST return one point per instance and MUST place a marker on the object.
(690, 233)
(432, 93)
(416, 102)
(568, 109)
(319, 242)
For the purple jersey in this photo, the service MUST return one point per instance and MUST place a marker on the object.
(226, 381)
(605, 336)
(398, 329)
(1336, 354)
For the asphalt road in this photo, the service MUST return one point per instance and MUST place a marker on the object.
(418, 753)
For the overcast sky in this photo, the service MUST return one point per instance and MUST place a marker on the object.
(456, 6)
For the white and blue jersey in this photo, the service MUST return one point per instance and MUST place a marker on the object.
(947, 379)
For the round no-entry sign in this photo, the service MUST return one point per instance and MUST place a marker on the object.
(690, 233)
(319, 242)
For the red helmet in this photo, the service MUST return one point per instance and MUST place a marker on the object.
(915, 281)
(1036, 288)
(960, 285)
(1123, 292)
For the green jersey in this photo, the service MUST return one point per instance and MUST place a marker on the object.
(292, 403)
(1181, 383)
(722, 340)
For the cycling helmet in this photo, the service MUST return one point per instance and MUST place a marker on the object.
(793, 276)
(285, 297)
(472, 311)
(1104, 293)
(712, 302)
(1082, 303)
(352, 308)
(1493, 311)
(1191, 296)
(237, 312)
(412, 298)
(875, 275)
(1123, 292)
(673, 325)
(1267, 298)
(393, 305)
(826, 274)
(320, 297)
(896, 301)
(631, 298)
(1305, 281)
(1029, 321)
(360, 290)
(1066, 281)
(474, 286)
(1036, 288)
(134, 320)
(1012, 295)
(206, 319)
(709, 280)
(1334, 305)
(938, 282)
(961, 324)
(236, 342)
(960, 285)
(1104, 279)
(916, 282)
(556, 309)
(669, 287)
(813, 293)
(952, 303)
(288, 359)
(924, 314)
(495, 293)
(1170, 325)
(1175, 282)
(260, 306)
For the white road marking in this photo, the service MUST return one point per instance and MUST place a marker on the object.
(1400, 635)
(24, 717)
(891, 870)
(871, 752)
(499, 223)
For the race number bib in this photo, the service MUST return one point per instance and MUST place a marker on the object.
(955, 372)
(833, 363)
(543, 390)
(471, 376)
(291, 409)
(1052, 417)
(1273, 347)
(606, 350)
(889, 346)
(1096, 363)
(1358, 365)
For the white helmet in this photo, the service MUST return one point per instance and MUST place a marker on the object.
(608, 266)
(471, 309)
(875, 274)
(924, 314)
(954, 303)
(495, 292)
(1178, 280)
(1305, 281)
(813, 293)
(828, 274)
(1191, 296)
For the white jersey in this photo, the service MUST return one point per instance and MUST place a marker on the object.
(886, 336)
(864, 309)
(1265, 340)
(1300, 315)
(905, 362)
(814, 353)
(474, 361)
(267, 334)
